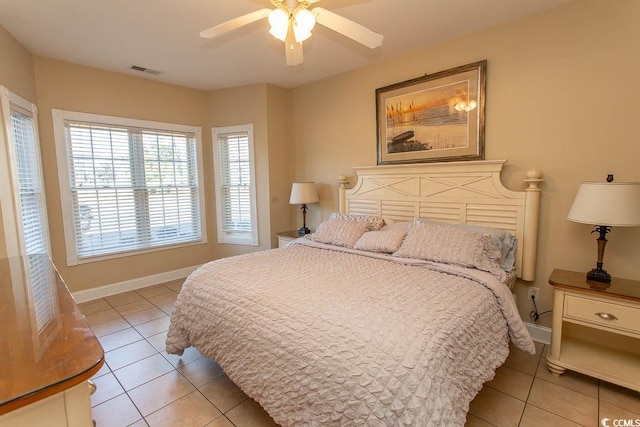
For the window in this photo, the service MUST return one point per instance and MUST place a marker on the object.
(25, 181)
(235, 185)
(127, 185)
(24, 207)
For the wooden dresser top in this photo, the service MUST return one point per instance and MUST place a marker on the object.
(47, 345)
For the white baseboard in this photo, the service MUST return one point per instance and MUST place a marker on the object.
(540, 334)
(131, 285)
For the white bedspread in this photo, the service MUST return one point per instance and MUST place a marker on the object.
(326, 337)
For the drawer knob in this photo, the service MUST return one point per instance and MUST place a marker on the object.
(92, 387)
(606, 316)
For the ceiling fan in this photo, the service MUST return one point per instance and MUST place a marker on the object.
(292, 21)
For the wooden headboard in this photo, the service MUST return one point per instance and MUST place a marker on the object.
(454, 192)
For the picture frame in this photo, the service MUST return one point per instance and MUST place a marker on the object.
(437, 117)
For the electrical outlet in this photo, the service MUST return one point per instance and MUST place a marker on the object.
(533, 292)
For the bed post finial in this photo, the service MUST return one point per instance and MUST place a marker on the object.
(342, 196)
(534, 177)
(531, 216)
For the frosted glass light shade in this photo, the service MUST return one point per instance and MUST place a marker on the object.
(279, 21)
(305, 19)
(303, 23)
(300, 34)
(303, 193)
(614, 204)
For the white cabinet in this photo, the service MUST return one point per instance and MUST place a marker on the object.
(69, 408)
(286, 237)
(596, 328)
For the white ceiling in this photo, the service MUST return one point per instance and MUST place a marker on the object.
(163, 35)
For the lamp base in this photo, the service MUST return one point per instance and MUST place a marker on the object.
(303, 230)
(599, 275)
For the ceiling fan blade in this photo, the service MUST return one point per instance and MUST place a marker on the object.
(293, 50)
(234, 24)
(347, 28)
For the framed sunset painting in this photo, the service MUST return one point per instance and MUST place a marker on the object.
(434, 118)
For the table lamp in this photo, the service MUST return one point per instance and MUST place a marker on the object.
(303, 193)
(605, 205)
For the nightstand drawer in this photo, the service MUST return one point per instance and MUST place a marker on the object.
(604, 314)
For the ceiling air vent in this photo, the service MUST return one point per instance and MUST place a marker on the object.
(146, 70)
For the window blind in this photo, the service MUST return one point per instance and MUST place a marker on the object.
(234, 156)
(29, 193)
(131, 188)
(30, 189)
(235, 187)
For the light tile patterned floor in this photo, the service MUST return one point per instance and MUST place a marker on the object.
(141, 385)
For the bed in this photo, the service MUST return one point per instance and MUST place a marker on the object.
(394, 312)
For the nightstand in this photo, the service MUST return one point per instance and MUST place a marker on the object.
(286, 237)
(596, 328)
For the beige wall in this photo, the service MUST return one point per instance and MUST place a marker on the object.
(262, 105)
(280, 159)
(561, 97)
(72, 87)
(67, 86)
(16, 74)
(16, 67)
(230, 107)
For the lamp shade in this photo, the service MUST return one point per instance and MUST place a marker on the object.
(615, 204)
(303, 193)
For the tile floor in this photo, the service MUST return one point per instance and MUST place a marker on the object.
(141, 385)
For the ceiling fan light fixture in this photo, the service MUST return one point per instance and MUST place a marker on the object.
(279, 21)
(303, 23)
(278, 33)
(304, 19)
(300, 34)
(292, 21)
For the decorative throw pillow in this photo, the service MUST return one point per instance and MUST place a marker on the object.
(375, 223)
(387, 241)
(340, 232)
(451, 244)
(510, 279)
(506, 242)
(397, 226)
